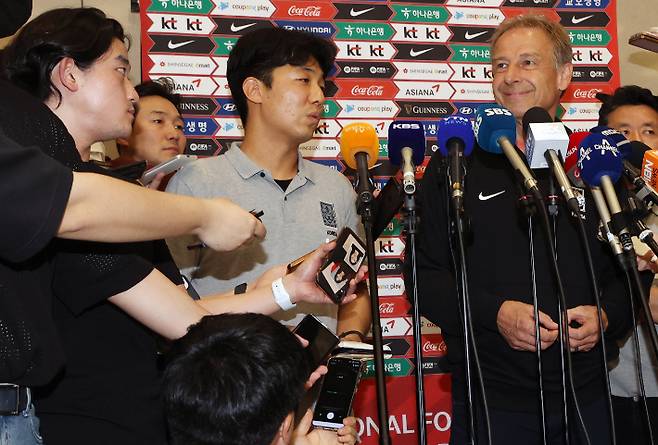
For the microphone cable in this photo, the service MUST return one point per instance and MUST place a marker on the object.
(599, 311)
(563, 333)
(553, 210)
(652, 332)
(465, 313)
(638, 365)
(535, 306)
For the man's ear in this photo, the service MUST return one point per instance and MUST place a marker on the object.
(253, 90)
(285, 430)
(564, 74)
(66, 74)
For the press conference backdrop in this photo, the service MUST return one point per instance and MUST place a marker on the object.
(419, 59)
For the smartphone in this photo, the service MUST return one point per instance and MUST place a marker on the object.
(341, 265)
(321, 341)
(646, 40)
(337, 393)
(166, 167)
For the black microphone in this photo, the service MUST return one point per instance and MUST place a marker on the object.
(639, 164)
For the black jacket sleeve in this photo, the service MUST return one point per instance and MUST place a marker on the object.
(34, 195)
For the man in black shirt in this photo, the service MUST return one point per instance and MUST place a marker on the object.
(43, 198)
(531, 59)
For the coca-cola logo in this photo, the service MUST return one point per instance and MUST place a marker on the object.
(372, 90)
(586, 94)
(307, 11)
(386, 308)
(430, 346)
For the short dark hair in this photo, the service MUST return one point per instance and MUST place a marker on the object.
(83, 34)
(233, 379)
(626, 95)
(257, 53)
(163, 87)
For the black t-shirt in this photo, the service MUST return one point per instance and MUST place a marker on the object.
(34, 193)
(14, 15)
(111, 376)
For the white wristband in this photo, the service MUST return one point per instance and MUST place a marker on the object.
(281, 295)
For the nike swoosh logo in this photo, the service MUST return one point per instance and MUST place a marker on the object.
(482, 197)
(241, 27)
(576, 20)
(172, 45)
(414, 53)
(470, 36)
(354, 13)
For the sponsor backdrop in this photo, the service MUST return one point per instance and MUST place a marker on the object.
(418, 59)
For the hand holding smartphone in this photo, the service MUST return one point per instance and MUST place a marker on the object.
(167, 167)
(321, 341)
(337, 393)
(341, 265)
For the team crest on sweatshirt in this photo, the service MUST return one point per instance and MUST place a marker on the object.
(329, 217)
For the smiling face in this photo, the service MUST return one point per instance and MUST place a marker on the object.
(104, 101)
(525, 73)
(292, 105)
(637, 123)
(157, 132)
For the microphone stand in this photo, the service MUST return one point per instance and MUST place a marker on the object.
(629, 264)
(553, 210)
(470, 349)
(637, 211)
(411, 225)
(365, 209)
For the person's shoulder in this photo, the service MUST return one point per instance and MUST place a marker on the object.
(323, 173)
(209, 166)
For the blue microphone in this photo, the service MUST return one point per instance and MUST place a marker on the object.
(623, 144)
(598, 158)
(406, 148)
(456, 140)
(493, 122)
(601, 165)
(495, 128)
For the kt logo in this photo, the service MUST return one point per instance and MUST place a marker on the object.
(385, 246)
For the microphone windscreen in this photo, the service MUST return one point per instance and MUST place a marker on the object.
(455, 127)
(598, 157)
(616, 137)
(535, 115)
(406, 134)
(650, 168)
(571, 159)
(636, 151)
(492, 122)
(359, 137)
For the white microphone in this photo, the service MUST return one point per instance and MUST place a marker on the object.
(543, 134)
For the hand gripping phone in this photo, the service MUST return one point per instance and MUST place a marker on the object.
(166, 167)
(321, 341)
(341, 265)
(337, 393)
